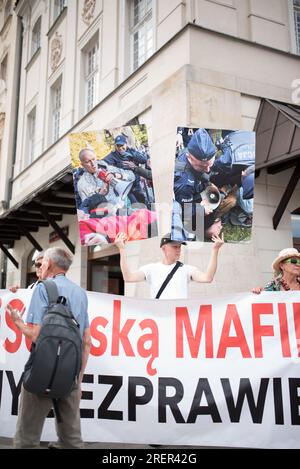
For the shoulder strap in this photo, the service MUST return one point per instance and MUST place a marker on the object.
(51, 289)
(168, 278)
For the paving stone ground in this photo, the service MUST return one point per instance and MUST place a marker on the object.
(7, 443)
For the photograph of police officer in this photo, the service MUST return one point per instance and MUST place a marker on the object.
(112, 183)
(138, 162)
(213, 184)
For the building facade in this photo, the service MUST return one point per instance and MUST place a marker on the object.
(87, 65)
(10, 52)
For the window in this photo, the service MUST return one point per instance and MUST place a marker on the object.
(104, 273)
(31, 121)
(3, 84)
(297, 23)
(36, 37)
(56, 110)
(296, 228)
(91, 76)
(59, 5)
(31, 271)
(3, 70)
(141, 31)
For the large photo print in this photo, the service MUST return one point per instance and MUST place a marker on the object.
(213, 184)
(113, 184)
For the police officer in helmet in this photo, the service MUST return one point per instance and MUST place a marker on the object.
(193, 166)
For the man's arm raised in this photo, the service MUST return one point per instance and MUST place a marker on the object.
(208, 276)
(128, 275)
(31, 331)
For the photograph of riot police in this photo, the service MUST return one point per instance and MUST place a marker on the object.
(113, 184)
(213, 184)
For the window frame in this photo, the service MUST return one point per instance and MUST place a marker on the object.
(3, 69)
(31, 136)
(91, 74)
(36, 44)
(141, 25)
(56, 108)
(58, 8)
(296, 17)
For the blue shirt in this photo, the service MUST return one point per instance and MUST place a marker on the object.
(116, 159)
(76, 300)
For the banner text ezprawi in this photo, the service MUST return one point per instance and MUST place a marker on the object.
(217, 373)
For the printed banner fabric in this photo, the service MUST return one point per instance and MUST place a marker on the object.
(221, 372)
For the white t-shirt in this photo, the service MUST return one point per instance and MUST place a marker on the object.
(178, 285)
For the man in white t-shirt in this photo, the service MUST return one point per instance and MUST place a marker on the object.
(156, 273)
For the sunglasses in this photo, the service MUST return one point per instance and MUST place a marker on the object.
(292, 260)
(37, 265)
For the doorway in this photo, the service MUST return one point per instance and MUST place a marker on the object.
(31, 271)
(104, 274)
(296, 228)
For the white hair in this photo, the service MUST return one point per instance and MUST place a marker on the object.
(83, 152)
(59, 257)
(39, 255)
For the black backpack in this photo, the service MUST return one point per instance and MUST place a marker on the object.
(55, 360)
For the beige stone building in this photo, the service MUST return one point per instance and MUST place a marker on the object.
(9, 84)
(86, 65)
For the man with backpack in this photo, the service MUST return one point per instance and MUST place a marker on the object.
(57, 320)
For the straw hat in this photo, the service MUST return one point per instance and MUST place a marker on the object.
(284, 254)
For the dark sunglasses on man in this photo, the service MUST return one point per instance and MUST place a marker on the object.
(37, 265)
(293, 260)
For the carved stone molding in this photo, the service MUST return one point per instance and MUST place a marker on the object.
(88, 11)
(56, 49)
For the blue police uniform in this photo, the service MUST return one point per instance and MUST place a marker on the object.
(188, 183)
(238, 153)
(117, 159)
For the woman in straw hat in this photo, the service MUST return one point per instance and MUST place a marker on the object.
(286, 268)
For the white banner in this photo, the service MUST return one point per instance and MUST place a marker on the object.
(188, 372)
